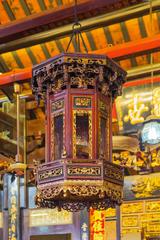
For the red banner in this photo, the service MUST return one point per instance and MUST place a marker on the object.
(97, 220)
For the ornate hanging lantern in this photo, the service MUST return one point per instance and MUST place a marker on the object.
(78, 90)
(78, 172)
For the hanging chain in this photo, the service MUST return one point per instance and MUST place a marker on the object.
(76, 36)
(151, 54)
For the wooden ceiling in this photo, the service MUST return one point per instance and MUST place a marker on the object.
(32, 31)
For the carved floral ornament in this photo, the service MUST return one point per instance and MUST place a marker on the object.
(89, 184)
(98, 195)
(78, 71)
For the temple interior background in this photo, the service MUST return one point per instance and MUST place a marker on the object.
(128, 31)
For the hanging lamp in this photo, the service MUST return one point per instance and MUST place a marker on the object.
(150, 132)
(78, 90)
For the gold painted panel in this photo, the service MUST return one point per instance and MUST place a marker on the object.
(46, 217)
(130, 230)
(153, 227)
(128, 208)
(131, 221)
(153, 206)
(148, 217)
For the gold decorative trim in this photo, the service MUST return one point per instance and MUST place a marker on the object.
(57, 105)
(81, 188)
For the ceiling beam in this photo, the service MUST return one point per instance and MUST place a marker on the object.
(138, 47)
(58, 17)
(56, 24)
(125, 50)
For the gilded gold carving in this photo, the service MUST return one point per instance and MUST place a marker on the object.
(113, 173)
(85, 60)
(146, 186)
(57, 105)
(153, 227)
(128, 208)
(81, 188)
(82, 102)
(78, 72)
(94, 171)
(56, 172)
(131, 221)
(152, 206)
(130, 230)
(147, 217)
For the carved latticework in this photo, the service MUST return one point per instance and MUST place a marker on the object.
(82, 71)
(78, 90)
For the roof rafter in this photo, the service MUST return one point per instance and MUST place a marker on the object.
(32, 30)
(115, 52)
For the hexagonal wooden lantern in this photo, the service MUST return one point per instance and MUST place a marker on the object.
(78, 172)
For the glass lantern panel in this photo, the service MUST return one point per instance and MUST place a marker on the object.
(58, 136)
(82, 135)
(151, 133)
